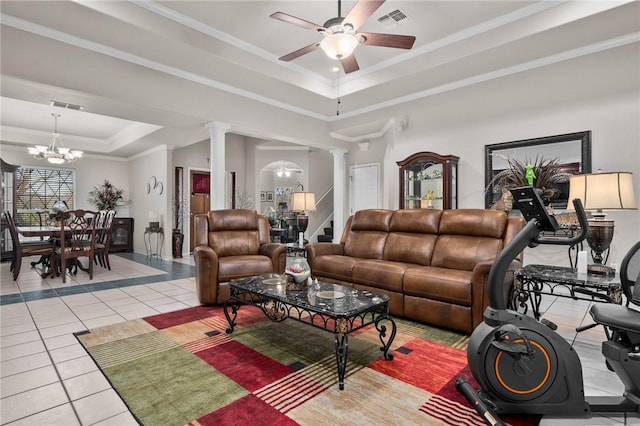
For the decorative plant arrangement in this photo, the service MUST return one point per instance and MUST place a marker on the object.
(106, 196)
(180, 209)
(300, 271)
(243, 201)
(543, 174)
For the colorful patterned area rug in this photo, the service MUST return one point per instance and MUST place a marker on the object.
(182, 368)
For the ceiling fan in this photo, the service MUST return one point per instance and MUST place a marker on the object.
(341, 36)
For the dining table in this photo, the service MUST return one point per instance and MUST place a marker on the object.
(53, 233)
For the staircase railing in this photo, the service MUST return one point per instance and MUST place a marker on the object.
(322, 217)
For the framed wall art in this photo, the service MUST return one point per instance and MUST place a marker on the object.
(570, 153)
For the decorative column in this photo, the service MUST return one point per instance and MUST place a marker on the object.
(217, 141)
(339, 190)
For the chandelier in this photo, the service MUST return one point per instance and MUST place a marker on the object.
(283, 171)
(56, 152)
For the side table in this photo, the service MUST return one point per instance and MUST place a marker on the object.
(532, 281)
(159, 233)
(294, 250)
(277, 235)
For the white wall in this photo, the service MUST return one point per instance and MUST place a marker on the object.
(154, 162)
(90, 171)
(600, 93)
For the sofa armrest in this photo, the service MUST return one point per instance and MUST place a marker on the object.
(277, 253)
(480, 287)
(322, 249)
(206, 274)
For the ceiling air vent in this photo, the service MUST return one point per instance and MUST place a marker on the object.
(67, 105)
(397, 16)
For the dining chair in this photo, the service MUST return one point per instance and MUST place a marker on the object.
(103, 244)
(43, 220)
(78, 238)
(24, 249)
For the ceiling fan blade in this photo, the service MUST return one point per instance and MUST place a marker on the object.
(349, 64)
(280, 16)
(388, 40)
(361, 12)
(293, 55)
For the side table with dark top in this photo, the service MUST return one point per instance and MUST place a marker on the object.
(159, 233)
(532, 281)
(277, 235)
(294, 250)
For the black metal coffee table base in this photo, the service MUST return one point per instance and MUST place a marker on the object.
(364, 309)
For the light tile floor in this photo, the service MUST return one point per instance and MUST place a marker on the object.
(48, 379)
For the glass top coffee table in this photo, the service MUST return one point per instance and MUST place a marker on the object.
(330, 307)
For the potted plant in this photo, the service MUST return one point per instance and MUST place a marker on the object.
(545, 175)
(180, 209)
(106, 196)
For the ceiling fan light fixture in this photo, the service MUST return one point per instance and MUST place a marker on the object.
(339, 45)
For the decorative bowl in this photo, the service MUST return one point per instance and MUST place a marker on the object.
(299, 277)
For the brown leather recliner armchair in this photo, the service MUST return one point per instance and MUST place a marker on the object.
(232, 244)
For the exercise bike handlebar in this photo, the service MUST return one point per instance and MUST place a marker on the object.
(538, 220)
(584, 229)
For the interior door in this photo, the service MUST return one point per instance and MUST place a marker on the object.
(364, 187)
(200, 203)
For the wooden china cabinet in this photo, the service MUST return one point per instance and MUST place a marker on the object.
(429, 180)
(7, 204)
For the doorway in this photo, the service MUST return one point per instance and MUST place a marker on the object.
(199, 185)
(364, 187)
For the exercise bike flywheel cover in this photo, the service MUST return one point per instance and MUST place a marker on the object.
(522, 378)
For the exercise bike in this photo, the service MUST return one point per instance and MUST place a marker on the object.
(522, 365)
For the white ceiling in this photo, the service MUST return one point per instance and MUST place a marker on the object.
(119, 58)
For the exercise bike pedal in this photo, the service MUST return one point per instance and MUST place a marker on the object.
(510, 347)
(552, 325)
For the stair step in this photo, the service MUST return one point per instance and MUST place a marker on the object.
(325, 238)
(328, 231)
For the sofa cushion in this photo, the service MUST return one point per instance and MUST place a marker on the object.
(230, 268)
(368, 234)
(439, 314)
(416, 220)
(334, 266)
(446, 285)
(412, 236)
(463, 252)
(234, 232)
(409, 248)
(371, 220)
(473, 222)
(380, 273)
(234, 243)
(227, 220)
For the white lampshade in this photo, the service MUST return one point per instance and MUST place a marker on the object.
(339, 45)
(603, 191)
(303, 202)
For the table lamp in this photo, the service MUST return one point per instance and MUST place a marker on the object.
(602, 191)
(303, 202)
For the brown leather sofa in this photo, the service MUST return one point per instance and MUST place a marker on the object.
(433, 264)
(232, 244)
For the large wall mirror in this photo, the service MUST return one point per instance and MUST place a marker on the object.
(572, 152)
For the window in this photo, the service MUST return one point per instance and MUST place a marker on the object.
(38, 189)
